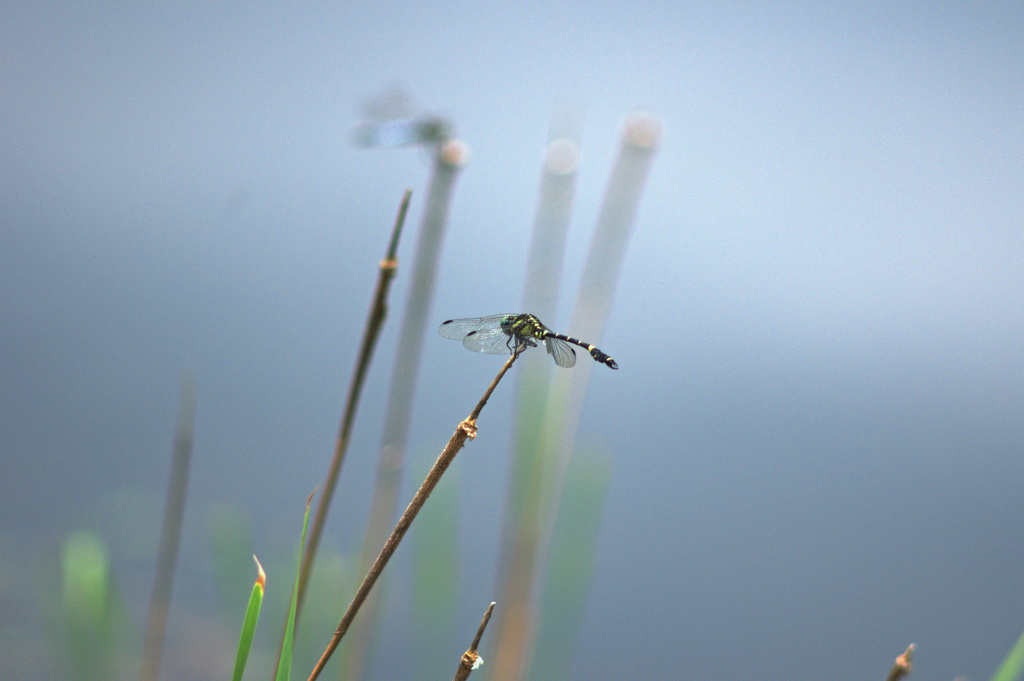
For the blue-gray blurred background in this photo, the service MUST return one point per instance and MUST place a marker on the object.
(816, 430)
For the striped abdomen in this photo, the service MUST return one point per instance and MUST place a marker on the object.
(594, 352)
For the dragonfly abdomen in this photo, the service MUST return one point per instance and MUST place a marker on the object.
(594, 352)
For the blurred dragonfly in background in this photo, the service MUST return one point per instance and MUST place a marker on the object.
(391, 123)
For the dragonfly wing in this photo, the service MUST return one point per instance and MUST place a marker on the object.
(492, 341)
(388, 133)
(457, 329)
(561, 352)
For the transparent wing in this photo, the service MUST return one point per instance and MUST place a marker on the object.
(561, 352)
(491, 341)
(457, 329)
(399, 132)
(388, 134)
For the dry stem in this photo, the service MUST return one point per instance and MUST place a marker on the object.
(466, 430)
(374, 322)
(170, 536)
(903, 666)
(471, 658)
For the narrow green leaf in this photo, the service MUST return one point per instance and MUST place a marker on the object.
(285, 666)
(252, 615)
(1013, 665)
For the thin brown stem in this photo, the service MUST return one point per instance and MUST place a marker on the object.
(902, 666)
(449, 158)
(374, 323)
(466, 430)
(170, 536)
(471, 658)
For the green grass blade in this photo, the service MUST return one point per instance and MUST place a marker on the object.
(436, 580)
(285, 665)
(570, 567)
(252, 615)
(86, 600)
(1013, 665)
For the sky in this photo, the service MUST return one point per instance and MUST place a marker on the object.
(815, 433)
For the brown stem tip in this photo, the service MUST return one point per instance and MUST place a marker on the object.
(903, 664)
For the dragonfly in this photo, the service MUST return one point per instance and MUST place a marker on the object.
(390, 122)
(402, 132)
(505, 333)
